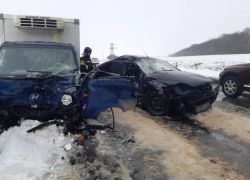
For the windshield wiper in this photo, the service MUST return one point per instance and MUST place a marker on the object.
(43, 72)
(47, 74)
(56, 76)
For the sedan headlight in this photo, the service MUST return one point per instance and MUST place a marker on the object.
(66, 99)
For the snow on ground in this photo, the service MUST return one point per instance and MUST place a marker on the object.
(209, 66)
(30, 155)
(214, 62)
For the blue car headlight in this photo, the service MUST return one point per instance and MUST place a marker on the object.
(66, 99)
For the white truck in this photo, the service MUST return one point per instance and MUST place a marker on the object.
(95, 61)
(40, 28)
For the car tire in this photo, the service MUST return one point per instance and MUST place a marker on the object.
(157, 104)
(232, 87)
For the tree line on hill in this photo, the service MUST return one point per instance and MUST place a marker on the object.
(236, 43)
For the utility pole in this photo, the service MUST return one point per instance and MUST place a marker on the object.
(112, 49)
(112, 54)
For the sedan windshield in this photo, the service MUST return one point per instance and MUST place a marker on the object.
(154, 65)
(36, 60)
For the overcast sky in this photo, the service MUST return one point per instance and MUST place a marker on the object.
(160, 26)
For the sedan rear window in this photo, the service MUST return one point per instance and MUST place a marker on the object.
(112, 67)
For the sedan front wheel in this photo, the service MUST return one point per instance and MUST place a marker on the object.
(157, 105)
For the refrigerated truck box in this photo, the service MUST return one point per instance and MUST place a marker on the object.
(40, 28)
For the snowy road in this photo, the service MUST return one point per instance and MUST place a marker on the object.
(211, 145)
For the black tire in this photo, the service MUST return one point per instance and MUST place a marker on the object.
(232, 87)
(157, 104)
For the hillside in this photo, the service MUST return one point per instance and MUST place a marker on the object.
(236, 43)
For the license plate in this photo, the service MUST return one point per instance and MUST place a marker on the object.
(202, 107)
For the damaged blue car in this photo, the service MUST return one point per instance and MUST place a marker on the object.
(41, 81)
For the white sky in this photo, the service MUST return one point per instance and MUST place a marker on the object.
(160, 26)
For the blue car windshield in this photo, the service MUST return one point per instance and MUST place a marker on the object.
(150, 65)
(32, 60)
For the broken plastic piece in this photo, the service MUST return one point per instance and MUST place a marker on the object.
(58, 122)
(167, 117)
(68, 147)
(92, 132)
(72, 161)
(102, 131)
(85, 95)
(94, 124)
(80, 148)
(80, 138)
(129, 141)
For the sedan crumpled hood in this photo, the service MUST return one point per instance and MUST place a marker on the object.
(177, 77)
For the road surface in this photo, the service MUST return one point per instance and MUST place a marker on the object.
(211, 145)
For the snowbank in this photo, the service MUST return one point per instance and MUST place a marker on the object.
(209, 66)
(29, 156)
(215, 62)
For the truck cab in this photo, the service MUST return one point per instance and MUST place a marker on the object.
(39, 64)
(36, 76)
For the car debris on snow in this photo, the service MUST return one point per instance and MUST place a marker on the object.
(167, 117)
(80, 138)
(102, 131)
(67, 147)
(72, 161)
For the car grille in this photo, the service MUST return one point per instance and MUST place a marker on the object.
(205, 88)
(200, 98)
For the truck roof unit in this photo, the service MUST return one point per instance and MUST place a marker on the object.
(40, 28)
(38, 22)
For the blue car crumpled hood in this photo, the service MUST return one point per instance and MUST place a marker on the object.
(19, 92)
